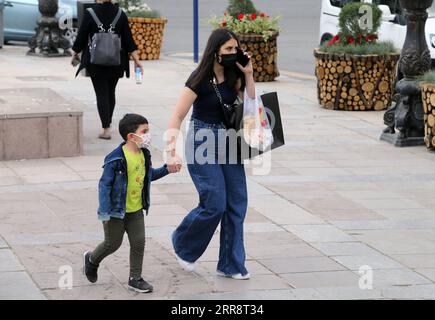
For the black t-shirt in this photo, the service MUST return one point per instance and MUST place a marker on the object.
(207, 106)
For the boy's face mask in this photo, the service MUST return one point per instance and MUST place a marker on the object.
(145, 140)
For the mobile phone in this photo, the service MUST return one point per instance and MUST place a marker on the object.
(242, 58)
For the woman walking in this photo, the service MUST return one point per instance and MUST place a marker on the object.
(221, 186)
(105, 78)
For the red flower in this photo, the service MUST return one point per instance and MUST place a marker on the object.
(241, 16)
(334, 40)
(350, 40)
(223, 24)
(262, 15)
(371, 37)
(253, 16)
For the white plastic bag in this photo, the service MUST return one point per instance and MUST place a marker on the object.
(256, 127)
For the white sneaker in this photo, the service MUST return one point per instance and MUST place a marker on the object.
(237, 276)
(188, 266)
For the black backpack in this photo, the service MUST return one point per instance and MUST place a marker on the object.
(105, 46)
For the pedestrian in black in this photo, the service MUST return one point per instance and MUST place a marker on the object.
(105, 78)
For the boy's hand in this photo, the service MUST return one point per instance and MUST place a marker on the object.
(174, 164)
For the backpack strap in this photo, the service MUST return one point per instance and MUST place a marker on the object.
(97, 21)
(115, 21)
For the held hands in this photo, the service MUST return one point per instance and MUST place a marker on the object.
(174, 163)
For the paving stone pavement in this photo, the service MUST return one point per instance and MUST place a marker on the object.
(335, 199)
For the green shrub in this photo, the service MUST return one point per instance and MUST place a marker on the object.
(248, 24)
(138, 9)
(428, 77)
(378, 48)
(144, 14)
(359, 24)
(237, 7)
(351, 23)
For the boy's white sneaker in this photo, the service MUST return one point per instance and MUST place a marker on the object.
(237, 276)
(188, 266)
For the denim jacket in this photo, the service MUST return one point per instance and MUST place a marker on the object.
(112, 188)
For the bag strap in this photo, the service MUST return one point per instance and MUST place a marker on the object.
(97, 21)
(100, 24)
(115, 21)
(216, 89)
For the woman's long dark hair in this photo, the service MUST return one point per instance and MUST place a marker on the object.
(204, 72)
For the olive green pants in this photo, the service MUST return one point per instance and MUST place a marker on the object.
(114, 229)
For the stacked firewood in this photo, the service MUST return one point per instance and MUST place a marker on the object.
(428, 97)
(264, 55)
(148, 36)
(355, 83)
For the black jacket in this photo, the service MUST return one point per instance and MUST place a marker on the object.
(106, 12)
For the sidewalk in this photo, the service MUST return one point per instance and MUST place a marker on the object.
(335, 200)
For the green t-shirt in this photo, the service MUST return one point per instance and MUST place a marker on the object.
(136, 177)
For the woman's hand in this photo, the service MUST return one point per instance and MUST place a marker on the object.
(138, 64)
(135, 56)
(248, 70)
(75, 60)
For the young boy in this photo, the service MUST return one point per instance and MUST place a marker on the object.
(124, 192)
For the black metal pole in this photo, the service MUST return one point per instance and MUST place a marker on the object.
(195, 32)
(2, 6)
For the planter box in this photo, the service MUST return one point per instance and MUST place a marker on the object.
(148, 35)
(354, 82)
(264, 55)
(428, 98)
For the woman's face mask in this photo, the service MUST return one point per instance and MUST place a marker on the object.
(227, 60)
(145, 140)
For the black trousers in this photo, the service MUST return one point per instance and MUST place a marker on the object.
(105, 88)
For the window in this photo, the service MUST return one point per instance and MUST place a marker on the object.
(341, 3)
(395, 8)
(393, 4)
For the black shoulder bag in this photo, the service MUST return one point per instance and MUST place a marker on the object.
(233, 113)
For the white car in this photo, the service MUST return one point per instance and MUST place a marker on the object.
(393, 27)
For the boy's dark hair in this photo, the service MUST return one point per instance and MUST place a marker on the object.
(129, 124)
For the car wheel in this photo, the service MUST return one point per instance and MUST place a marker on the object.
(71, 33)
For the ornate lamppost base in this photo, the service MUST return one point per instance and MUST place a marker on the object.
(398, 141)
(49, 38)
(405, 121)
(406, 116)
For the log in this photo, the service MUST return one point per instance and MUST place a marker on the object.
(384, 86)
(379, 105)
(368, 87)
(431, 120)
